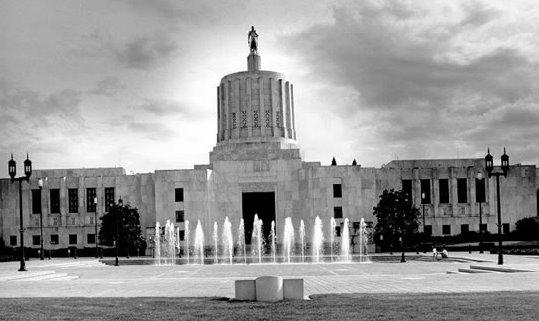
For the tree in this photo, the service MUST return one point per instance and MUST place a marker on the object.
(396, 216)
(528, 228)
(127, 220)
(333, 162)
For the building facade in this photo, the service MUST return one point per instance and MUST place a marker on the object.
(256, 168)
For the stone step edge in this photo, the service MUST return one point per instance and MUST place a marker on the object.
(496, 269)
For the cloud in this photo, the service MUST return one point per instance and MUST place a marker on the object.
(147, 52)
(165, 108)
(108, 86)
(151, 130)
(429, 75)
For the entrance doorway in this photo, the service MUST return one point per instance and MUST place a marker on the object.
(262, 204)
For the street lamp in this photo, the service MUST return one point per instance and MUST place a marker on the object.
(95, 221)
(481, 197)
(12, 170)
(489, 165)
(41, 257)
(120, 203)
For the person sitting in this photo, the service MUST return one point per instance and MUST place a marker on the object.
(444, 254)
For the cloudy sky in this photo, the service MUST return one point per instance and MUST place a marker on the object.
(132, 83)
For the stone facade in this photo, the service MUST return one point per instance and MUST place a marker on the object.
(257, 152)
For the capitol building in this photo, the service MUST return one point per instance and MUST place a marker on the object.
(256, 167)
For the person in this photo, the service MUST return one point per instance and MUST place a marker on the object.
(444, 254)
(252, 39)
(434, 253)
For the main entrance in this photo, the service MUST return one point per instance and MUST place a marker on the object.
(262, 204)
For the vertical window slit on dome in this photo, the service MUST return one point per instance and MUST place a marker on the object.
(243, 119)
(268, 118)
(278, 118)
(256, 122)
(234, 121)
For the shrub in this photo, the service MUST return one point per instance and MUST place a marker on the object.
(528, 228)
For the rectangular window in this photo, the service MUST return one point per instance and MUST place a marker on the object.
(72, 239)
(90, 200)
(55, 200)
(444, 190)
(446, 229)
(36, 201)
(407, 187)
(178, 195)
(90, 238)
(109, 198)
(180, 217)
(13, 240)
(480, 190)
(73, 195)
(425, 191)
(54, 238)
(464, 228)
(337, 190)
(36, 240)
(91, 220)
(505, 228)
(462, 190)
(182, 235)
(483, 228)
(428, 229)
(338, 231)
(337, 212)
(56, 221)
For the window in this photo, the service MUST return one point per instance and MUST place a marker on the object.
(243, 119)
(36, 240)
(36, 201)
(356, 225)
(464, 228)
(256, 121)
(182, 235)
(55, 200)
(73, 195)
(234, 121)
(462, 193)
(505, 228)
(56, 221)
(480, 190)
(337, 190)
(54, 238)
(73, 220)
(428, 229)
(13, 240)
(483, 228)
(72, 239)
(90, 238)
(178, 195)
(444, 190)
(91, 220)
(425, 190)
(109, 198)
(180, 217)
(338, 231)
(446, 229)
(337, 212)
(407, 187)
(90, 200)
(267, 116)
(278, 118)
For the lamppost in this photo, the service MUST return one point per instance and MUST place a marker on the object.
(489, 165)
(423, 205)
(481, 198)
(12, 170)
(120, 203)
(41, 257)
(95, 221)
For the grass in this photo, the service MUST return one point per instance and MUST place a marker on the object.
(461, 306)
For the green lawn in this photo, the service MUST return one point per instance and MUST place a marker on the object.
(463, 306)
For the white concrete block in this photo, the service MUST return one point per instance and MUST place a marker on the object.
(293, 289)
(269, 288)
(245, 290)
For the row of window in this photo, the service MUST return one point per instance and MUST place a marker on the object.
(256, 119)
(54, 239)
(465, 228)
(73, 200)
(443, 190)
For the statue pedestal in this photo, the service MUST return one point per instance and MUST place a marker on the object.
(253, 62)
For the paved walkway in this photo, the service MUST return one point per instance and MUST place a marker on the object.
(90, 278)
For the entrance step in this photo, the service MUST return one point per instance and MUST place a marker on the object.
(496, 269)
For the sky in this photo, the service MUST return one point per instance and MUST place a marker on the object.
(133, 83)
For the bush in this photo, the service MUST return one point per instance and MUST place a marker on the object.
(528, 228)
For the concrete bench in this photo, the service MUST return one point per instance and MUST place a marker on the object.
(269, 289)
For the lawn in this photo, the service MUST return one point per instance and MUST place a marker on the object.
(462, 306)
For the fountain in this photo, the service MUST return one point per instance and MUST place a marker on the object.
(363, 242)
(228, 240)
(257, 238)
(318, 239)
(345, 242)
(288, 239)
(157, 244)
(332, 237)
(199, 242)
(241, 240)
(302, 237)
(215, 238)
(272, 238)
(187, 240)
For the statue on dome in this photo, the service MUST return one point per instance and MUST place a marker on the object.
(252, 38)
